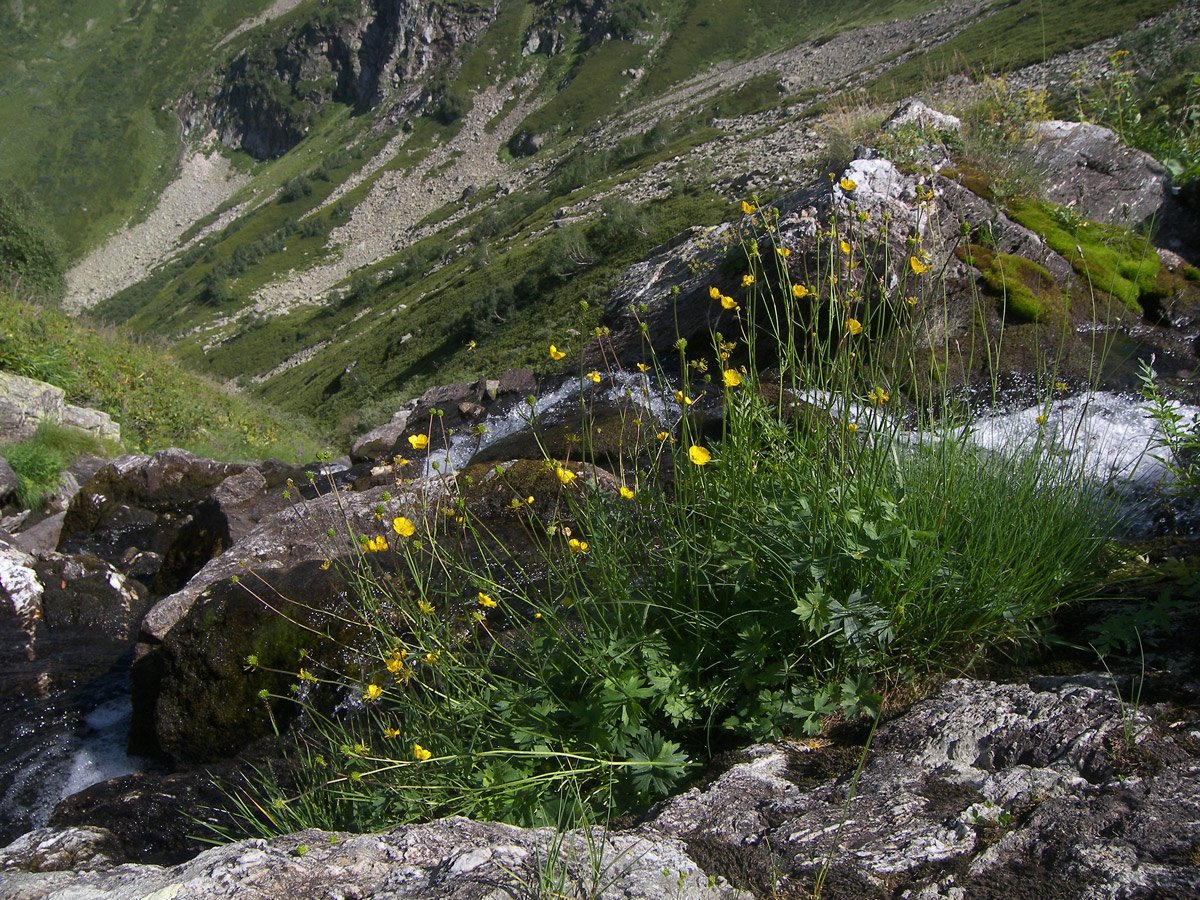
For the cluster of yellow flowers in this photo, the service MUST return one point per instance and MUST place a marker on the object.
(726, 302)
(376, 544)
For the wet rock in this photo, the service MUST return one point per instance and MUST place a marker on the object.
(72, 479)
(89, 594)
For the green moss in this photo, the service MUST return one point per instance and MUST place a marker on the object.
(1024, 290)
(1108, 258)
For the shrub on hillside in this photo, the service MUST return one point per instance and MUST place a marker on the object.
(30, 253)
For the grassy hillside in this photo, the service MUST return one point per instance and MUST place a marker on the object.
(87, 93)
(157, 403)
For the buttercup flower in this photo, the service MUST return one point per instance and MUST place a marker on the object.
(854, 326)
(403, 527)
(732, 378)
(626, 493)
(852, 428)
(1041, 418)
(747, 208)
(418, 441)
(373, 693)
(845, 245)
(918, 267)
(847, 184)
(699, 455)
(663, 436)
(729, 302)
(420, 754)
(594, 376)
(564, 476)
(747, 280)
(395, 663)
(642, 367)
(682, 399)
(390, 732)
(433, 657)
(376, 544)
(577, 546)
(783, 251)
(878, 396)
(714, 293)
(425, 606)
(555, 353)
(485, 601)
(799, 291)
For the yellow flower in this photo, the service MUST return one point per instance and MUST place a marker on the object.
(485, 601)
(783, 251)
(699, 455)
(1041, 418)
(401, 461)
(747, 280)
(918, 267)
(626, 493)
(395, 663)
(732, 378)
(747, 208)
(433, 657)
(664, 436)
(845, 245)
(390, 732)
(564, 476)
(642, 367)
(854, 326)
(425, 606)
(729, 302)
(799, 291)
(373, 693)
(852, 428)
(682, 399)
(594, 376)
(878, 396)
(529, 500)
(555, 353)
(847, 184)
(418, 441)
(714, 293)
(376, 544)
(577, 546)
(403, 527)
(307, 677)
(420, 754)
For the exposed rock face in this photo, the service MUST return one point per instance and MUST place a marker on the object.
(356, 53)
(8, 482)
(1088, 168)
(26, 402)
(1054, 789)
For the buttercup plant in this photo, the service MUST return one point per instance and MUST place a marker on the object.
(834, 537)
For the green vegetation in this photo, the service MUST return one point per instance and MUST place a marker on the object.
(93, 86)
(1025, 291)
(721, 590)
(39, 461)
(154, 401)
(1107, 257)
(30, 253)
(1013, 35)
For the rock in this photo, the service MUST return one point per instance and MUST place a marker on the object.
(72, 479)
(1088, 168)
(84, 849)
(379, 441)
(87, 594)
(914, 112)
(449, 858)
(8, 483)
(93, 421)
(24, 403)
(1054, 788)
(41, 537)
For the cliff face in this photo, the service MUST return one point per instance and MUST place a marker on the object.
(356, 52)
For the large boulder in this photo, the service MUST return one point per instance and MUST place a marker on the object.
(8, 483)
(24, 403)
